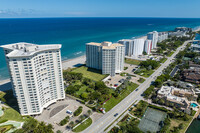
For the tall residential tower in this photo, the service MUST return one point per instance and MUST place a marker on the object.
(106, 56)
(36, 75)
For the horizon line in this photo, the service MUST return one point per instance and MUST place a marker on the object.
(94, 17)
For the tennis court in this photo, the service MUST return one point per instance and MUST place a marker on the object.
(151, 119)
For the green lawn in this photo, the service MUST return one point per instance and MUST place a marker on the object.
(11, 114)
(114, 101)
(83, 126)
(132, 61)
(141, 80)
(175, 123)
(90, 73)
(163, 60)
(146, 73)
(170, 54)
(81, 90)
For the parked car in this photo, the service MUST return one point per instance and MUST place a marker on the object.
(136, 89)
(115, 114)
(69, 112)
(115, 85)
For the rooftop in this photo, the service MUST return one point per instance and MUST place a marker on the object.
(105, 45)
(23, 49)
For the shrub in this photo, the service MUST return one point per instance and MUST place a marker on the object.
(78, 111)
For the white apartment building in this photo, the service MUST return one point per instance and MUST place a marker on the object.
(36, 75)
(138, 47)
(147, 46)
(128, 43)
(153, 36)
(133, 47)
(106, 56)
(162, 36)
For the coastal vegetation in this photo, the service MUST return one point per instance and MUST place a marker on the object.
(31, 125)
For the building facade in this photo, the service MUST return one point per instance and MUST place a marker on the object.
(138, 47)
(153, 36)
(36, 75)
(105, 56)
(162, 36)
(128, 43)
(147, 46)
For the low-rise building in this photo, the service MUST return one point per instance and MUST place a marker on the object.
(179, 97)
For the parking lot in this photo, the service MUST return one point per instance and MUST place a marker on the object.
(57, 112)
(117, 80)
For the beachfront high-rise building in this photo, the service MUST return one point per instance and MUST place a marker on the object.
(162, 36)
(153, 36)
(133, 47)
(138, 47)
(147, 46)
(106, 56)
(128, 43)
(36, 75)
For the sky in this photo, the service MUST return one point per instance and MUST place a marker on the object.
(99, 8)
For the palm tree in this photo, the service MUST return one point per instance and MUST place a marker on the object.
(89, 112)
(71, 124)
(81, 117)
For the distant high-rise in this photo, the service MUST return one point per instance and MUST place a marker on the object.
(147, 46)
(128, 43)
(138, 47)
(36, 75)
(162, 36)
(153, 36)
(106, 56)
(133, 47)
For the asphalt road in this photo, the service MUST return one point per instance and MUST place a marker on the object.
(107, 119)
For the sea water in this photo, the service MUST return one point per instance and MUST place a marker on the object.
(73, 33)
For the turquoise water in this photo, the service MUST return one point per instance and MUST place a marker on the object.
(73, 33)
(193, 105)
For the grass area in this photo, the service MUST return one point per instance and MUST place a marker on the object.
(81, 90)
(163, 60)
(132, 61)
(141, 80)
(2, 94)
(170, 54)
(175, 123)
(145, 73)
(4, 129)
(90, 73)
(11, 114)
(83, 125)
(114, 101)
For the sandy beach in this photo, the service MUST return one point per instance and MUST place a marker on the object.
(74, 62)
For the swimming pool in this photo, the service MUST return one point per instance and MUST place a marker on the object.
(193, 105)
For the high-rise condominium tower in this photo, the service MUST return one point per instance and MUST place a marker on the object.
(106, 56)
(153, 36)
(36, 75)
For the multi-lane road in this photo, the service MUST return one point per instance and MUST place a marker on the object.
(108, 118)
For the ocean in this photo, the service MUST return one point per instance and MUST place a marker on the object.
(73, 33)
